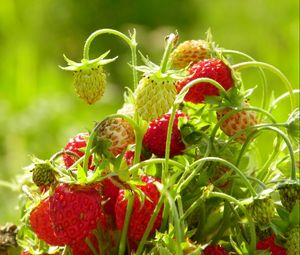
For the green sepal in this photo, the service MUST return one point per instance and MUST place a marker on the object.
(294, 217)
(81, 175)
(87, 64)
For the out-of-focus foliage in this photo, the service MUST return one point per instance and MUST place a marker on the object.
(38, 109)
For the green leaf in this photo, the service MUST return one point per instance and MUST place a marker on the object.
(294, 217)
(81, 175)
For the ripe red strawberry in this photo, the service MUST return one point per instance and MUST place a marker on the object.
(214, 69)
(140, 215)
(75, 211)
(215, 250)
(41, 224)
(156, 136)
(236, 122)
(110, 194)
(75, 145)
(81, 247)
(118, 132)
(189, 52)
(269, 244)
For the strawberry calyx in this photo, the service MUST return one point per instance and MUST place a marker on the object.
(87, 64)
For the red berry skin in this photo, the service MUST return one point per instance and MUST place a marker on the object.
(74, 145)
(215, 250)
(81, 247)
(140, 215)
(75, 212)
(156, 136)
(214, 69)
(269, 244)
(41, 224)
(110, 194)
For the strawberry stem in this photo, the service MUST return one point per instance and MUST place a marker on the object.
(252, 245)
(272, 69)
(180, 97)
(150, 225)
(122, 246)
(168, 49)
(130, 41)
(230, 165)
(264, 101)
(280, 98)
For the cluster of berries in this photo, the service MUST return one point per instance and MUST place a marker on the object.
(166, 173)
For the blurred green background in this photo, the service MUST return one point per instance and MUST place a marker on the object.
(38, 109)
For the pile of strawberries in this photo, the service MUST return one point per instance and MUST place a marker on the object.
(175, 170)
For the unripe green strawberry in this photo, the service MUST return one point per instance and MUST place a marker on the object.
(289, 193)
(236, 122)
(261, 209)
(90, 84)
(293, 241)
(118, 132)
(154, 96)
(43, 173)
(189, 52)
(89, 77)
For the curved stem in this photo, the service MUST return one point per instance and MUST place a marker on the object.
(272, 69)
(154, 161)
(230, 165)
(289, 146)
(241, 206)
(280, 98)
(167, 52)
(232, 112)
(130, 41)
(180, 97)
(264, 101)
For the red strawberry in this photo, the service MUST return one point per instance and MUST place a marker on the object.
(214, 69)
(215, 250)
(268, 244)
(75, 145)
(140, 215)
(110, 193)
(156, 136)
(75, 211)
(81, 247)
(41, 224)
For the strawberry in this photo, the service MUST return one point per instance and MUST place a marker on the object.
(236, 122)
(156, 136)
(141, 214)
(289, 192)
(154, 96)
(219, 171)
(214, 69)
(89, 77)
(269, 244)
(262, 209)
(75, 145)
(118, 132)
(82, 248)
(110, 194)
(215, 250)
(293, 241)
(75, 211)
(189, 52)
(41, 224)
(43, 173)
